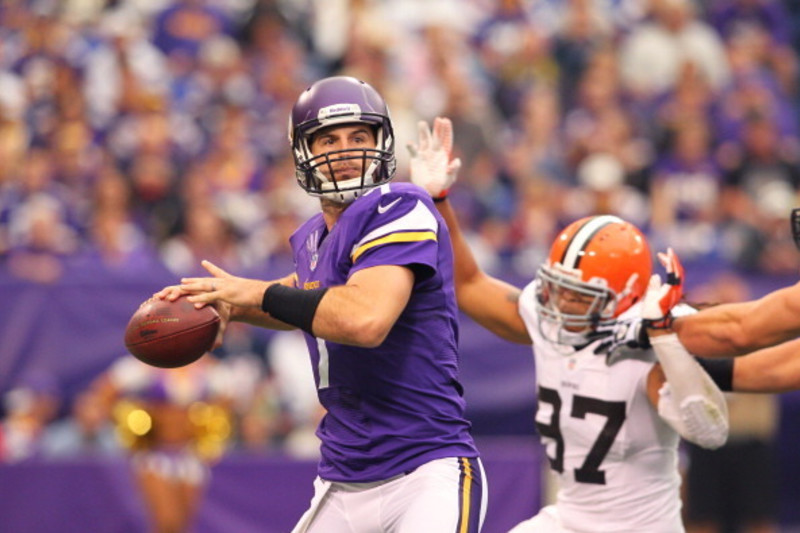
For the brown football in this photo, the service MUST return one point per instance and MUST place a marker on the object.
(171, 334)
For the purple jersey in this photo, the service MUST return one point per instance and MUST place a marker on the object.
(394, 407)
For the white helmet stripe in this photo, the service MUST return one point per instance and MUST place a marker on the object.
(572, 253)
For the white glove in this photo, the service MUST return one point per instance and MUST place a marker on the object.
(431, 167)
(620, 339)
(661, 298)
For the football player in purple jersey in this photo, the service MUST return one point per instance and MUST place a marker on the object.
(373, 291)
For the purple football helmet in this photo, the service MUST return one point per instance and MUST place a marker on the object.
(341, 100)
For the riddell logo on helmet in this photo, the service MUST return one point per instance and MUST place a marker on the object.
(339, 109)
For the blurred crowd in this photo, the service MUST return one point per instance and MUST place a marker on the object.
(153, 132)
(206, 409)
(141, 131)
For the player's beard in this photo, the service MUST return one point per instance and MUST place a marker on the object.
(329, 205)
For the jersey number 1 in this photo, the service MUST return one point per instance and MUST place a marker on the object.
(589, 472)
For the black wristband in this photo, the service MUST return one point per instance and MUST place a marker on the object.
(440, 199)
(296, 307)
(662, 323)
(720, 371)
(643, 339)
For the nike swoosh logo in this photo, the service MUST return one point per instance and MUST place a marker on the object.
(383, 208)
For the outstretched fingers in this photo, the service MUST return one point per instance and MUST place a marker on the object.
(443, 134)
(205, 290)
(424, 132)
(236, 291)
(201, 291)
(673, 266)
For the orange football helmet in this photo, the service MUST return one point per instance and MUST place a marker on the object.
(599, 266)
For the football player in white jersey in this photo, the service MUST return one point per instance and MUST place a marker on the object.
(611, 428)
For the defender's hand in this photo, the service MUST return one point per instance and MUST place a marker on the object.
(431, 167)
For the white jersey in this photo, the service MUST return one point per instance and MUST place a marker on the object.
(615, 457)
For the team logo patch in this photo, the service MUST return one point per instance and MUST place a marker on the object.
(338, 110)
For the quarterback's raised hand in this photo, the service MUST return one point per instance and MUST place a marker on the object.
(431, 165)
(660, 298)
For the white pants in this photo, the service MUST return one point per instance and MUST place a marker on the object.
(443, 496)
(547, 520)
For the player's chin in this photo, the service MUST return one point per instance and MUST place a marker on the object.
(348, 173)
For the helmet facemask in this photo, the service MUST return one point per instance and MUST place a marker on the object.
(341, 101)
(598, 268)
(317, 174)
(570, 309)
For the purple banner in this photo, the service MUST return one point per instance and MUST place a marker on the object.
(71, 330)
(246, 494)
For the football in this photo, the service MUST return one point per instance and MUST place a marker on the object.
(171, 334)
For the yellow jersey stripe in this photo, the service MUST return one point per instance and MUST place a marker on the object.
(465, 495)
(411, 236)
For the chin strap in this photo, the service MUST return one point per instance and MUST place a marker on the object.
(690, 401)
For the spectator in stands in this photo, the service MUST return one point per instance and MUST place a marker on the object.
(686, 192)
(28, 408)
(155, 200)
(13, 152)
(233, 170)
(604, 188)
(603, 122)
(583, 31)
(753, 89)
(205, 235)
(291, 380)
(181, 29)
(121, 67)
(115, 241)
(761, 185)
(691, 100)
(730, 16)
(535, 141)
(515, 54)
(86, 431)
(40, 239)
(652, 56)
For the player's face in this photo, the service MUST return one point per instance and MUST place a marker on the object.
(348, 143)
(572, 302)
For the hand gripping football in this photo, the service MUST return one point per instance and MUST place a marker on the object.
(171, 334)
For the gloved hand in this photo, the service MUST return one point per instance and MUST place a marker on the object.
(620, 338)
(431, 167)
(661, 298)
